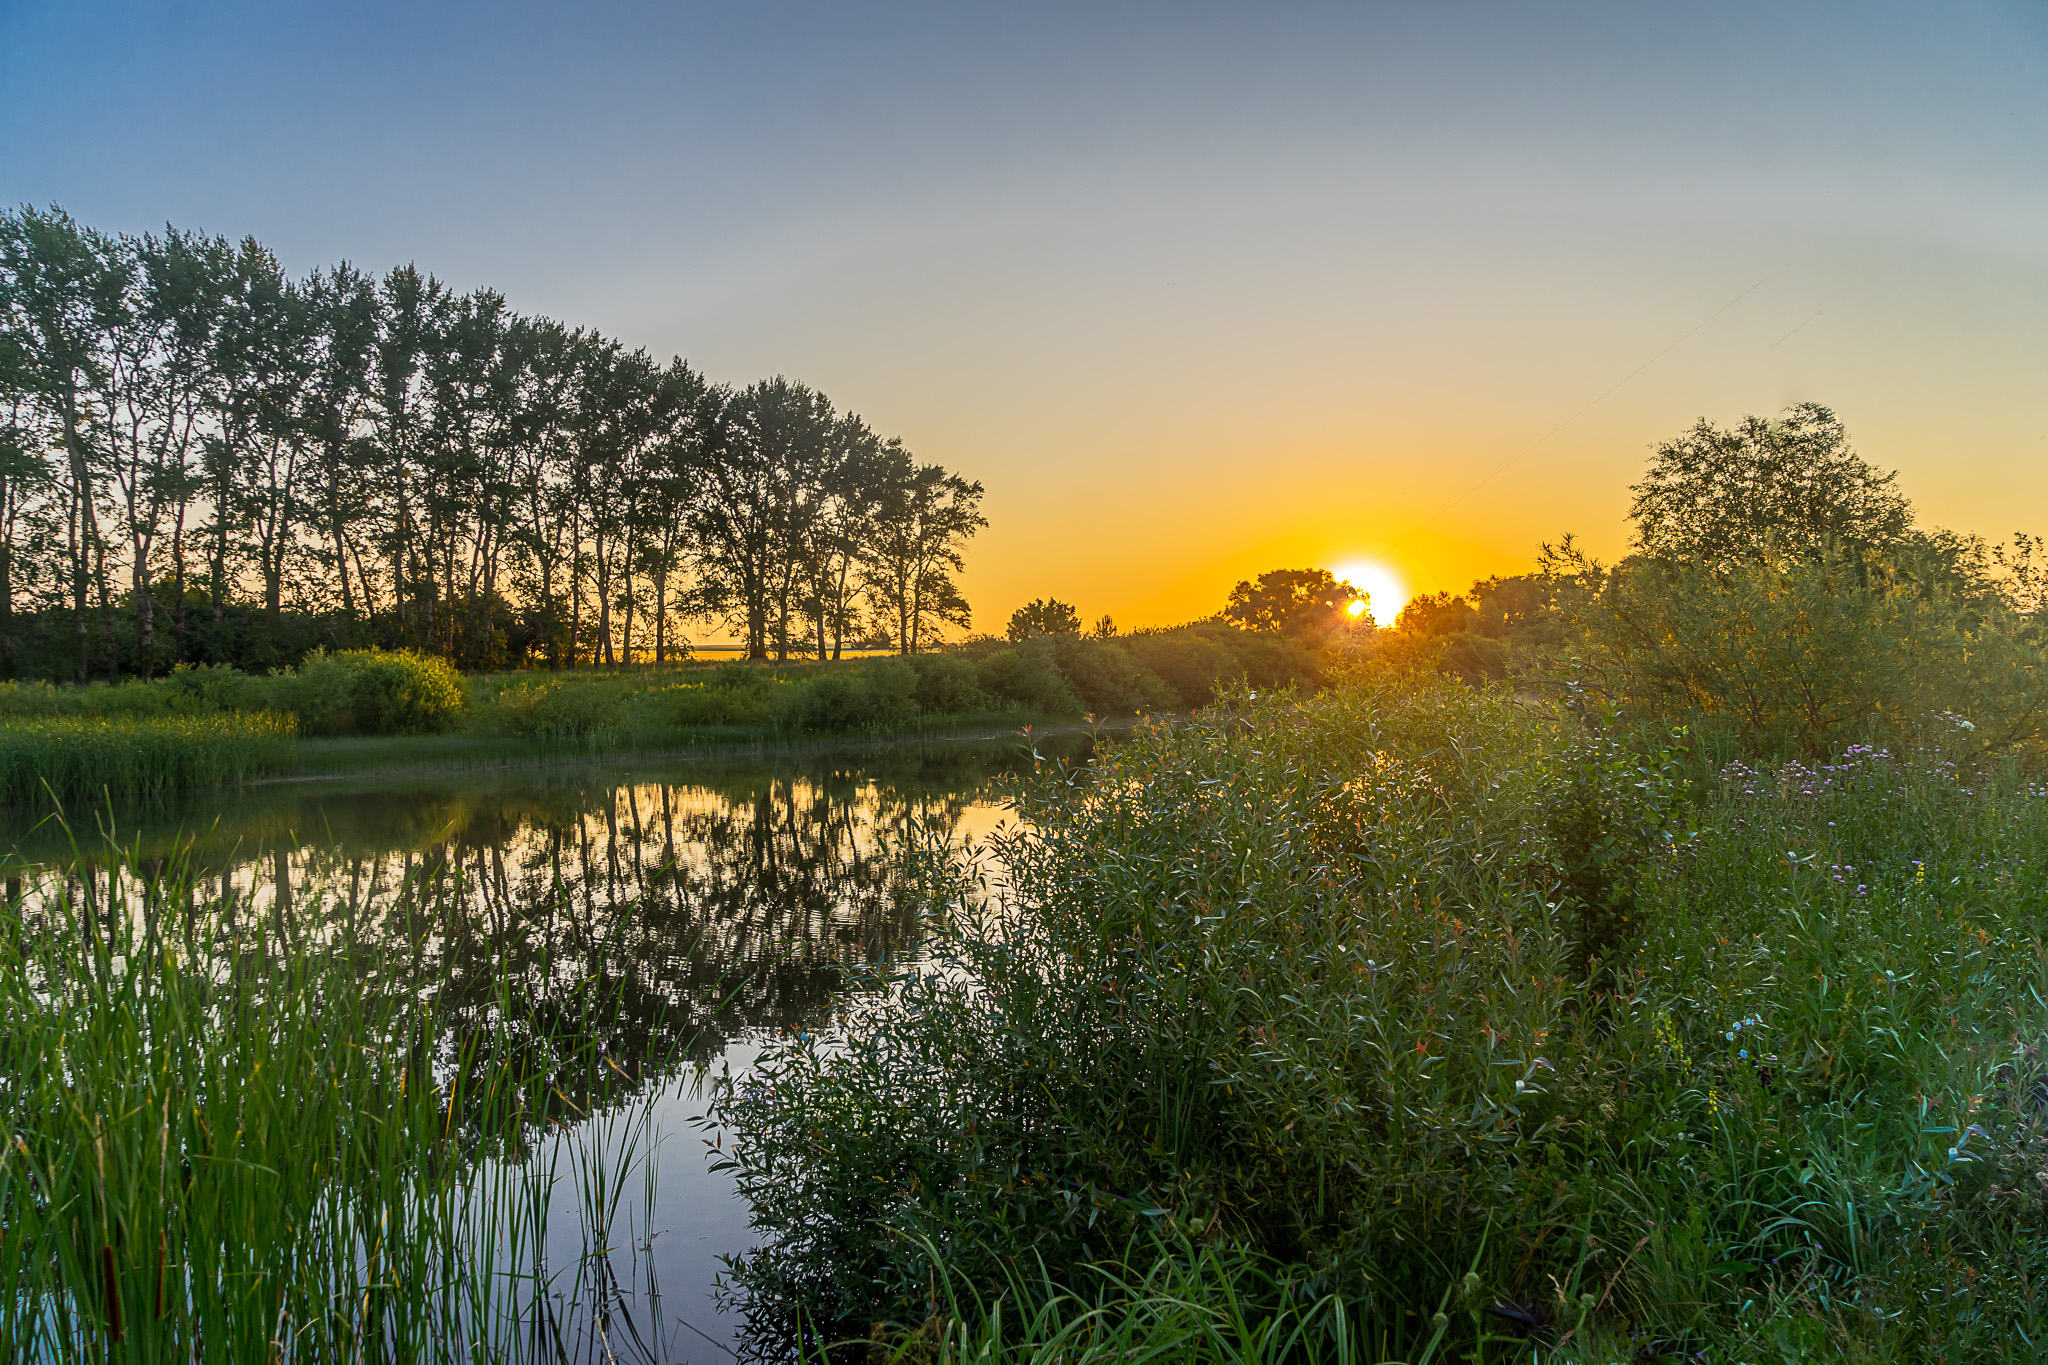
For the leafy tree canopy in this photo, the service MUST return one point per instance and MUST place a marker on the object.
(1717, 497)
(1044, 616)
(1293, 602)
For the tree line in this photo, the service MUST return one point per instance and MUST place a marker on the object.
(206, 459)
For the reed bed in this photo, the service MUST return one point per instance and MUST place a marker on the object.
(70, 757)
(261, 1145)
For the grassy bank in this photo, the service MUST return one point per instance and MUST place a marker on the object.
(1406, 1001)
(79, 757)
(367, 709)
(251, 1145)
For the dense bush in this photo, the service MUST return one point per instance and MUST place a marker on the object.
(1027, 674)
(1107, 679)
(549, 708)
(1197, 661)
(371, 692)
(354, 692)
(1804, 657)
(1409, 989)
(946, 685)
(878, 696)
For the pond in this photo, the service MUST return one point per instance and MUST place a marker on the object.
(738, 891)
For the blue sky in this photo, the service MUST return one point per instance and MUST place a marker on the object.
(1195, 290)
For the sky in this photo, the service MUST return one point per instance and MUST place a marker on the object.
(1194, 291)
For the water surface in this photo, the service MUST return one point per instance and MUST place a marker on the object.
(722, 900)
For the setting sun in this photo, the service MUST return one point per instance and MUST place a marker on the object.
(1386, 594)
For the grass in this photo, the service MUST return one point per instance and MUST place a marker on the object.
(83, 756)
(1407, 1000)
(259, 1142)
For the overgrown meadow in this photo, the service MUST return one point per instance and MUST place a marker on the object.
(1413, 1021)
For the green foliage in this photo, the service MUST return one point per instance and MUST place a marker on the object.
(1028, 675)
(1043, 616)
(1782, 656)
(1609, 814)
(1174, 1302)
(878, 697)
(552, 708)
(217, 1144)
(380, 692)
(1108, 678)
(1792, 486)
(82, 757)
(376, 693)
(353, 692)
(1309, 981)
(1200, 661)
(946, 685)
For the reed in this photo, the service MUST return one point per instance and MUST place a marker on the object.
(234, 1145)
(69, 757)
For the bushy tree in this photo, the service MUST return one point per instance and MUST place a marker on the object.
(1297, 602)
(1785, 486)
(1044, 616)
(1783, 601)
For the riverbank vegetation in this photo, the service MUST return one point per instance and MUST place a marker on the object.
(145, 737)
(1433, 1003)
(236, 1135)
(65, 757)
(1640, 962)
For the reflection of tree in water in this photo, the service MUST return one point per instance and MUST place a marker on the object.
(687, 912)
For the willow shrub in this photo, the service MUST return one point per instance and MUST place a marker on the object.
(1316, 981)
(69, 757)
(1790, 657)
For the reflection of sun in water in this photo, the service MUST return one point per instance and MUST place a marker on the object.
(1379, 583)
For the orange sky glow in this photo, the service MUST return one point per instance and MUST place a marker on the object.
(1195, 291)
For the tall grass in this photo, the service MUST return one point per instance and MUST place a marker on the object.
(82, 756)
(1445, 1005)
(243, 1145)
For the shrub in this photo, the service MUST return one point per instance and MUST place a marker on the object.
(1107, 679)
(946, 685)
(710, 704)
(1312, 981)
(552, 708)
(372, 692)
(1027, 675)
(1200, 660)
(876, 696)
(1783, 656)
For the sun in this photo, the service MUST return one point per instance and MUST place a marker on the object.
(1383, 587)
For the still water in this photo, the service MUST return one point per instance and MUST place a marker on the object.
(726, 899)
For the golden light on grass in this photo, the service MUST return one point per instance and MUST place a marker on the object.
(1386, 594)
